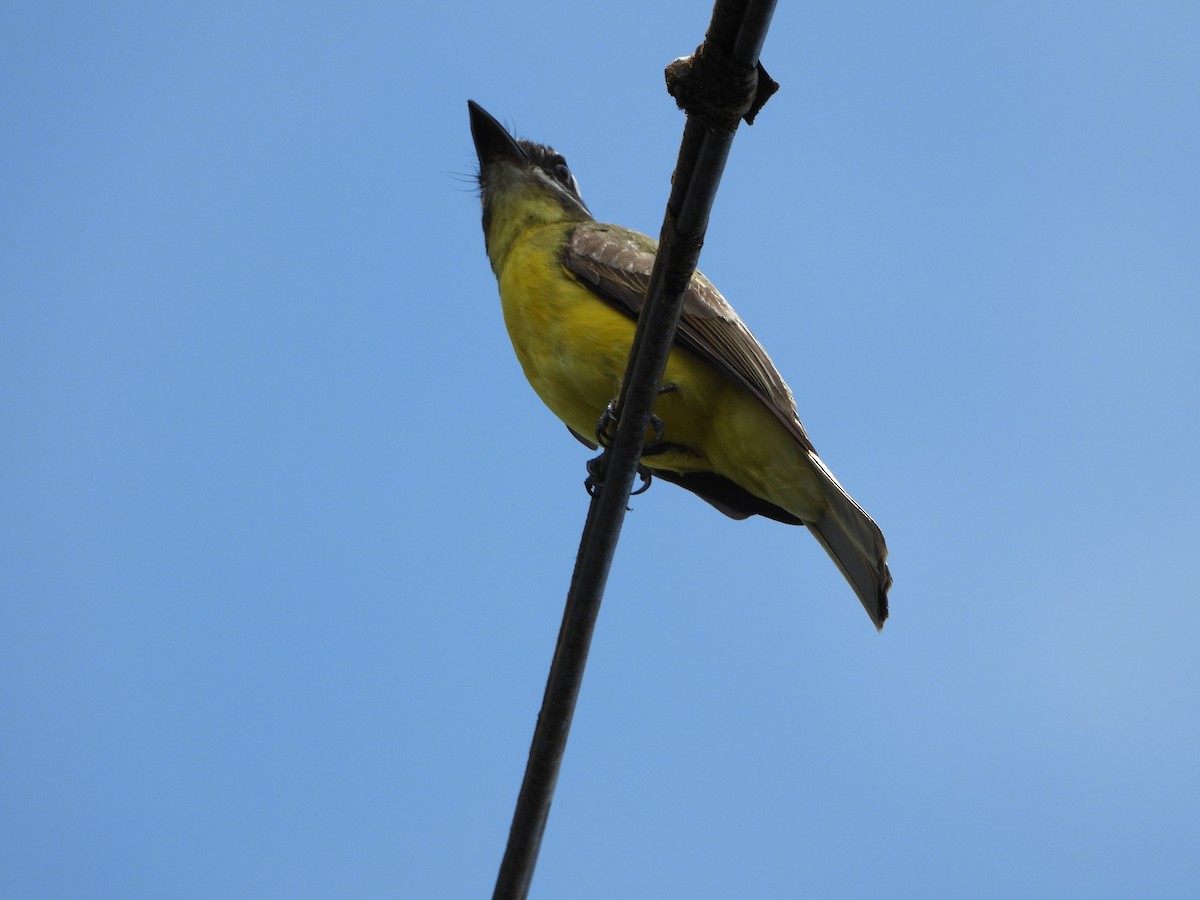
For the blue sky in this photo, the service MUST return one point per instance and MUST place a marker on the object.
(286, 536)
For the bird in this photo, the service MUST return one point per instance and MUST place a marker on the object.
(726, 427)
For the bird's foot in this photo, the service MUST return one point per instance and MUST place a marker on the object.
(606, 424)
(598, 471)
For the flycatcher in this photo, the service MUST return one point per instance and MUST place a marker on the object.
(572, 288)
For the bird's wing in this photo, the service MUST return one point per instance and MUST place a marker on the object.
(615, 264)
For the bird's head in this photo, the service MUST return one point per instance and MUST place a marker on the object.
(521, 183)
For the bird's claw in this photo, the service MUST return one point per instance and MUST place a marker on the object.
(598, 469)
(608, 419)
(604, 425)
(644, 474)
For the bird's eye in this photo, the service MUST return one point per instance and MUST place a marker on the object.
(563, 174)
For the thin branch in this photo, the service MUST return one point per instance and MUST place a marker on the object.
(734, 38)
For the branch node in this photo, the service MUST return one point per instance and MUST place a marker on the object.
(717, 89)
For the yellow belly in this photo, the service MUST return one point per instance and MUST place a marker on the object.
(573, 348)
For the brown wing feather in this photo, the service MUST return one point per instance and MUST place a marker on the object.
(615, 264)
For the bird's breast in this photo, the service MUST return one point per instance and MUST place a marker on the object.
(571, 345)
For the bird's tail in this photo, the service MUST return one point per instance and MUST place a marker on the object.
(855, 543)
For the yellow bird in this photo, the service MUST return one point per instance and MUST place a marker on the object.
(571, 289)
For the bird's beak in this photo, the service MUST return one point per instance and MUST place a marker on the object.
(492, 142)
